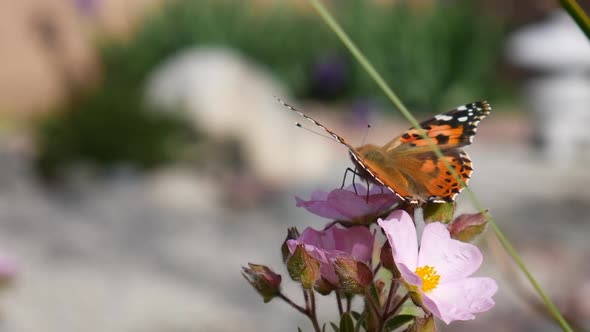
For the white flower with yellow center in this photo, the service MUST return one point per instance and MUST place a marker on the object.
(439, 273)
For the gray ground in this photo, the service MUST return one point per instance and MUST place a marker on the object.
(159, 252)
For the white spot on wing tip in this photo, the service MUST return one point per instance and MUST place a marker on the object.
(442, 117)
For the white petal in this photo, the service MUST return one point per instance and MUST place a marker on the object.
(409, 276)
(401, 233)
(452, 259)
(460, 299)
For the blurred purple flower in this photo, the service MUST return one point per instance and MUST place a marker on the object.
(439, 273)
(346, 205)
(8, 268)
(329, 75)
(326, 246)
(86, 7)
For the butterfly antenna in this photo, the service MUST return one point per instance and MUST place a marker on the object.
(366, 133)
(324, 128)
(298, 124)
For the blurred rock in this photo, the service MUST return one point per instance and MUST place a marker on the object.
(227, 96)
(559, 94)
(48, 48)
(179, 188)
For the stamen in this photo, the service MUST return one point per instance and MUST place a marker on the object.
(429, 277)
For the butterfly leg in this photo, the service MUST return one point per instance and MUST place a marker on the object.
(367, 180)
(354, 174)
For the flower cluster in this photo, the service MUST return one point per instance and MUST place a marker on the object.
(411, 283)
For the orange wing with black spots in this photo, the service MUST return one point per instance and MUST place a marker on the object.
(409, 167)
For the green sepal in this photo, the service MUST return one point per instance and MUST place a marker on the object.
(423, 325)
(441, 212)
(346, 323)
(397, 322)
(303, 267)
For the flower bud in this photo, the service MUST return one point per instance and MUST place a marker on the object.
(323, 286)
(387, 260)
(303, 267)
(264, 280)
(354, 276)
(380, 289)
(442, 212)
(467, 227)
(292, 234)
(425, 324)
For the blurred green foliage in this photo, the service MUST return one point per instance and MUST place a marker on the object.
(435, 58)
(431, 57)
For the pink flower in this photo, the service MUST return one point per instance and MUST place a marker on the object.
(8, 268)
(439, 272)
(326, 246)
(346, 205)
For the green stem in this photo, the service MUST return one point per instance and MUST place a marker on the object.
(577, 13)
(339, 302)
(331, 22)
(293, 304)
(313, 316)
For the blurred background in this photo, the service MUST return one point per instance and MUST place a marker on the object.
(144, 159)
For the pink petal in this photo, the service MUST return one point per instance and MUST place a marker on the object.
(401, 234)
(452, 259)
(355, 241)
(349, 204)
(319, 195)
(320, 207)
(460, 299)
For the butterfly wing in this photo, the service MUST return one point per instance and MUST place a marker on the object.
(409, 166)
(455, 128)
(431, 181)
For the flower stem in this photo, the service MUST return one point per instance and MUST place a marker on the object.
(392, 290)
(359, 56)
(377, 268)
(577, 13)
(308, 311)
(348, 303)
(398, 306)
(306, 298)
(293, 304)
(373, 306)
(339, 301)
(312, 314)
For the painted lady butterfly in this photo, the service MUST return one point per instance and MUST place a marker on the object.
(408, 166)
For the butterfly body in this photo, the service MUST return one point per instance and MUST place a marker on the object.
(408, 165)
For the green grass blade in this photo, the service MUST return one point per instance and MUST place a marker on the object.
(577, 13)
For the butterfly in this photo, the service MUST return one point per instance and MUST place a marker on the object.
(408, 166)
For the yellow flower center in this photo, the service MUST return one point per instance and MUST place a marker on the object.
(429, 277)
